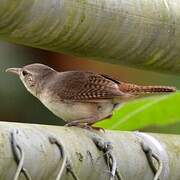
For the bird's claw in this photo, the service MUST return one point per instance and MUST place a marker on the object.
(84, 126)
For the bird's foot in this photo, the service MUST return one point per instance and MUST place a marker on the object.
(76, 124)
(96, 128)
(84, 126)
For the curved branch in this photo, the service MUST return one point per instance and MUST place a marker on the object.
(91, 154)
(142, 34)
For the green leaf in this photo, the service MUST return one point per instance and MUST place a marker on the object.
(137, 114)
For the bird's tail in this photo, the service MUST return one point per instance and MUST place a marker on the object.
(140, 90)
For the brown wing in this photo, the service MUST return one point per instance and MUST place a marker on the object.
(85, 86)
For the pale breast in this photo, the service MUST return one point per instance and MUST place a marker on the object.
(71, 111)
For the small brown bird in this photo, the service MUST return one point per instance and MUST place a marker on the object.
(80, 98)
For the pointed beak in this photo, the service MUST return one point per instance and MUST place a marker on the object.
(14, 70)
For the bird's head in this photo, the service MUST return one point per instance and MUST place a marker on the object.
(33, 76)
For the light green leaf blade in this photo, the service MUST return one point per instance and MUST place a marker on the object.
(157, 110)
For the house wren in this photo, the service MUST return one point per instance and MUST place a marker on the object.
(80, 97)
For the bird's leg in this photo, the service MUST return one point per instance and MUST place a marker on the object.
(77, 123)
(90, 124)
(97, 120)
(85, 123)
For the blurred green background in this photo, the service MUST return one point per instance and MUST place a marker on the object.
(20, 106)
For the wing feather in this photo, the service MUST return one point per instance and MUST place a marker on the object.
(86, 86)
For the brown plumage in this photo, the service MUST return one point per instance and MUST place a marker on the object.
(88, 86)
(140, 90)
(84, 86)
(80, 97)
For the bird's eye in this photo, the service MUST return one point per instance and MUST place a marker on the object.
(24, 73)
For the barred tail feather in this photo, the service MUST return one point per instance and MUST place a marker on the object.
(136, 89)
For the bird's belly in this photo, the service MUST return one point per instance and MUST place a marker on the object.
(70, 111)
